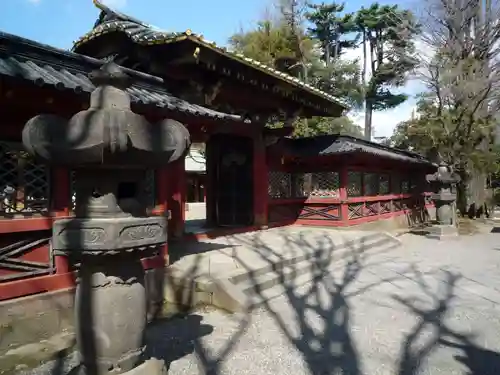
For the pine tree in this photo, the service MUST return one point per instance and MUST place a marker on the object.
(387, 35)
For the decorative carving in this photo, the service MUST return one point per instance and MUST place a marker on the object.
(355, 210)
(92, 235)
(84, 237)
(11, 260)
(331, 213)
(120, 234)
(141, 232)
(372, 208)
(385, 207)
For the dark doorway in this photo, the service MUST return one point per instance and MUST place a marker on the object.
(231, 174)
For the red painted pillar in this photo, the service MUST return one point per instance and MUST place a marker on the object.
(260, 182)
(344, 207)
(177, 197)
(162, 202)
(61, 201)
(210, 170)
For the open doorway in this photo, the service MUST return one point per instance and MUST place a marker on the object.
(219, 183)
(196, 174)
(231, 180)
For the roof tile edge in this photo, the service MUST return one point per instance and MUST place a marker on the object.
(173, 37)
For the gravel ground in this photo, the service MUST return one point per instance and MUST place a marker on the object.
(427, 308)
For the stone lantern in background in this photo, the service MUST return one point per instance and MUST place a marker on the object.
(443, 183)
(110, 148)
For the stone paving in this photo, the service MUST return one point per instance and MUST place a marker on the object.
(246, 251)
(427, 308)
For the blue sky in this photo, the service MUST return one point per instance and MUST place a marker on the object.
(60, 22)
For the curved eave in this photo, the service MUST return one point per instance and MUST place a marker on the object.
(143, 35)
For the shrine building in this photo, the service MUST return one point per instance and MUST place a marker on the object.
(254, 177)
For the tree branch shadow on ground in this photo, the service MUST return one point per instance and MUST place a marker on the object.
(418, 346)
(330, 349)
(182, 333)
(326, 346)
(334, 271)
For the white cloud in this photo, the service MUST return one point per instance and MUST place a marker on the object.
(116, 4)
(384, 122)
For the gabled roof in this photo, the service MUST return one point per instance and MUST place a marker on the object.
(144, 34)
(44, 65)
(343, 144)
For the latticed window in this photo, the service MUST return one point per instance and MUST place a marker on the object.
(405, 185)
(384, 184)
(354, 184)
(24, 183)
(414, 184)
(325, 185)
(396, 184)
(370, 184)
(280, 184)
(300, 183)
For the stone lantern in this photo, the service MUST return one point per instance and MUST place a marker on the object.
(109, 147)
(443, 183)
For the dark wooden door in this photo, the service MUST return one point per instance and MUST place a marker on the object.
(232, 179)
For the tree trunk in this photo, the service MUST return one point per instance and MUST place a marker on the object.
(368, 119)
(462, 187)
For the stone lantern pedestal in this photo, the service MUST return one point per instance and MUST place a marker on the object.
(443, 183)
(109, 147)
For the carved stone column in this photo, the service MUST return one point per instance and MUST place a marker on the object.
(109, 147)
(443, 183)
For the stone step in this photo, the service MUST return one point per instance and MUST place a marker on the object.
(272, 284)
(265, 267)
(291, 260)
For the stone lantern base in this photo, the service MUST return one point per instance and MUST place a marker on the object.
(443, 232)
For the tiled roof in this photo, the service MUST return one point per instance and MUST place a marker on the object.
(343, 144)
(144, 34)
(47, 66)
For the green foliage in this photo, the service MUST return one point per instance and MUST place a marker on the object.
(269, 42)
(386, 30)
(335, 33)
(438, 130)
(332, 29)
(387, 33)
(341, 79)
(322, 126)
(325, 125)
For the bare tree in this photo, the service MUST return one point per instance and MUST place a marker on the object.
(461, 68)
